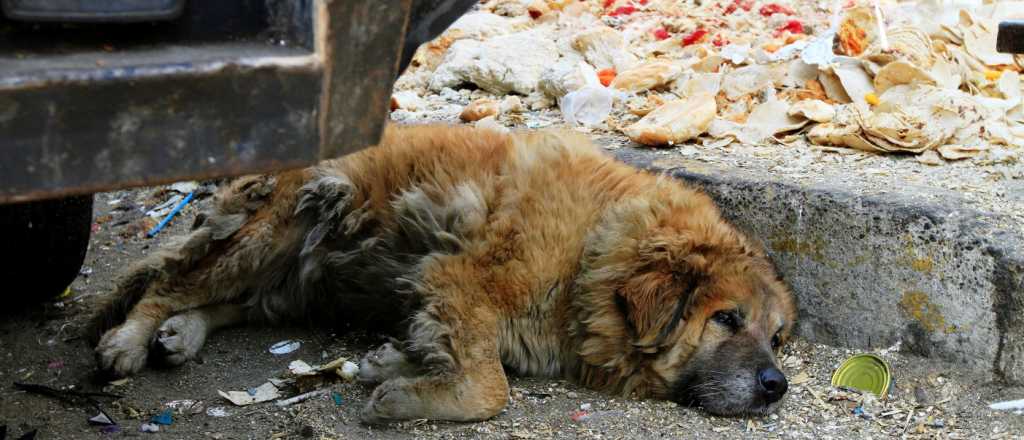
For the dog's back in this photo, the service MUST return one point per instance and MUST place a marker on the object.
(337, 240)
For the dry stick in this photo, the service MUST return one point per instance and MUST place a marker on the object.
(68, 396)
(906, 423)
(59, 394)
(301, 397)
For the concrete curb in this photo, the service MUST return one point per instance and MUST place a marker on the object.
(871, 270)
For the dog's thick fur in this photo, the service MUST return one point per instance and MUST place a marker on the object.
(534, 251)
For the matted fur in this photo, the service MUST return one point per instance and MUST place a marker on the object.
(479, 249)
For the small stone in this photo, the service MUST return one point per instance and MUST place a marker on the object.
(921, 396)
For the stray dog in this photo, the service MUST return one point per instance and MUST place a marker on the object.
(534, 251)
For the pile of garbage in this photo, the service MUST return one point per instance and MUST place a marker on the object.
(886, 77)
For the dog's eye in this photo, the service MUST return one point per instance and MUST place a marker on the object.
(729, 319)
(776, 342)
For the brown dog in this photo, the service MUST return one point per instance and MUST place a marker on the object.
(530, 250)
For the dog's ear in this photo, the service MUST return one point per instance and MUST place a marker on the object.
(654, 305)
(651, 264)
(679, 252)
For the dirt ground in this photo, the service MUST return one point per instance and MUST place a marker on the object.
(930, 399)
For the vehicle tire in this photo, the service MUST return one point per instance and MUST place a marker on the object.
(44, 246)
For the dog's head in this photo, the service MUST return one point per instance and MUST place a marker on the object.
(746, 316)
(677, 304)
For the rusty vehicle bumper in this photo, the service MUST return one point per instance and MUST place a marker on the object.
(80, 122)
(1010, 37)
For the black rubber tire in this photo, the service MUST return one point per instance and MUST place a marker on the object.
(44, 245)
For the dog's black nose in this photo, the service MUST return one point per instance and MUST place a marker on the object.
(773, 383)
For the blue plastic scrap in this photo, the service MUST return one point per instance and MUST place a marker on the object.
(156, 229)
(163, 418)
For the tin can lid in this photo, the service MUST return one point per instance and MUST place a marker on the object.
(864, 372)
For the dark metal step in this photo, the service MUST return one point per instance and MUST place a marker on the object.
(89, 121)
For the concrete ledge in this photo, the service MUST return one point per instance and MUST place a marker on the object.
(874, 268)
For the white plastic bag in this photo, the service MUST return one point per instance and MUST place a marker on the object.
(589, 105)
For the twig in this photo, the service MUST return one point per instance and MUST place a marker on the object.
(53, 392)
(301, 397)
(906, 423)
(68, 396)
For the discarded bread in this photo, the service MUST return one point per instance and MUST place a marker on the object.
(901, 72)
(511, 104)
(604, 47)
(675, 122)
(647, 76)
(407, 100)
(813, 109)
(480, 109)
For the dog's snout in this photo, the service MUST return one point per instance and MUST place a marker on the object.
(773, 383)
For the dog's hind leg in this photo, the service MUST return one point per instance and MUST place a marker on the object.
(222, 278)
(216, 264)
(181, 336)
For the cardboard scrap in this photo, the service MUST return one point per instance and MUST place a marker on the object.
(263, 393)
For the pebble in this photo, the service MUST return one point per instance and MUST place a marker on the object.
(921, 396)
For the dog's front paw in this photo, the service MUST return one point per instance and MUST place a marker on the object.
(179, 338)
(392, 401)
(122, 350)
(386, 362)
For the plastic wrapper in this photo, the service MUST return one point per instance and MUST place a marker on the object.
(590, 105)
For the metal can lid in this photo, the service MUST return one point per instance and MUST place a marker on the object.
(864, 372)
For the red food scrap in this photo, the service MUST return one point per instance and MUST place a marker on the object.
(623, 10)
(642, 2)
(695, 37)
(535, 14)
(745, 5)
(608, 3)
(792, 26)
(775, 8)
(719, 41)
(606, 76)
(661, 34)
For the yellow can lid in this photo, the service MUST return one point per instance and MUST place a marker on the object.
(864, 372)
